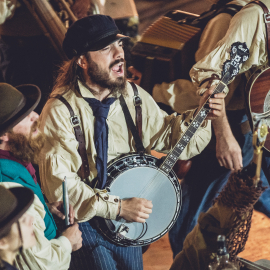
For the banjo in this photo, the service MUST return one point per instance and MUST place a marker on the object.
(145, 176)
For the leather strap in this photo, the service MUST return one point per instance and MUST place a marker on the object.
(267, 23)
(138, 142)
(137, 101)
(75, 122)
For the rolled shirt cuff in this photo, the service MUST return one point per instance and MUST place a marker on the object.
(107, 205)
(65, 243)
(204, 87)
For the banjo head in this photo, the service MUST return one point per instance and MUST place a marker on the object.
(139, 176)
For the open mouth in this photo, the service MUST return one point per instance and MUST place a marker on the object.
(118, 69)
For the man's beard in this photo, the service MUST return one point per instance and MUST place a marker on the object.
(26, 148)
(100, 77)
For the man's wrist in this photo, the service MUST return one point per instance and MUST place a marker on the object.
(221, 126)
(119, 210)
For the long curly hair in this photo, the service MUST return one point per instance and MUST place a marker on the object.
(68, 74)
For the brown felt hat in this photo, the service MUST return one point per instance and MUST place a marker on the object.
(16, 104)
(14, 202)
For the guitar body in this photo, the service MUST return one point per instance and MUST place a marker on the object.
(137, 175)
(258, 98)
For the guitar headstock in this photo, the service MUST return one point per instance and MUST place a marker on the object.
(239, 54)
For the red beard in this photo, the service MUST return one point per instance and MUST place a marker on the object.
(26, 148)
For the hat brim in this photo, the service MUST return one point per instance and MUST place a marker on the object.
(32, 95)
(105, 42)
(25, 198)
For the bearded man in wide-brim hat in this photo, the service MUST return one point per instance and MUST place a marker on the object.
(20, 144)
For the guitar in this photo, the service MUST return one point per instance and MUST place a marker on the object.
(258, 100)
(145, 176)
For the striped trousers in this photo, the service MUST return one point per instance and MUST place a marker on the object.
(97, 253)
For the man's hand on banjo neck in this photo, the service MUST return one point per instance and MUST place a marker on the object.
(135, 209)
(216, 104)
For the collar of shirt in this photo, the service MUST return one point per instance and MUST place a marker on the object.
(4, 154)
(86, 93)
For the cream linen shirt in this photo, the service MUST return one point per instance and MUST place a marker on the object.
(246, 26)
(60, 157)
(182, 94)
(45, 255)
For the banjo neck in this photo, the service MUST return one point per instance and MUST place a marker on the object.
(179, 147)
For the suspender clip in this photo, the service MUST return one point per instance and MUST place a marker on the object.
(266, 18)
(75, 121)
(137, 101)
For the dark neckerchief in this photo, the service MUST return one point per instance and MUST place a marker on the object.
(100, 111)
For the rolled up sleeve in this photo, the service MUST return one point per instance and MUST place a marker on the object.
(246, 26)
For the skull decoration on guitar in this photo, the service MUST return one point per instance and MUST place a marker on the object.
(145, 176)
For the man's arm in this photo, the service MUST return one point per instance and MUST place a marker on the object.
(213, 32)
(228, 151)
(241, 29)
(246, 26)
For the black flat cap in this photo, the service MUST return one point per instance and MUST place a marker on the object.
(91, 33)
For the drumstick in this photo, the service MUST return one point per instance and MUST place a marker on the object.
(65, 201)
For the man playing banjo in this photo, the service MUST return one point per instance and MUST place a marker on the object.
(92, 83)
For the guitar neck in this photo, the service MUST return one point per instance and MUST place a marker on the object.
(179, 147)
